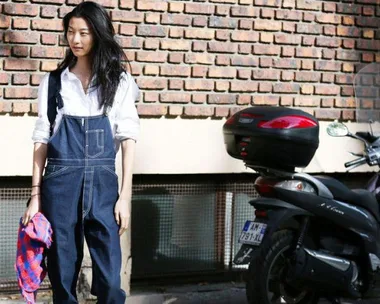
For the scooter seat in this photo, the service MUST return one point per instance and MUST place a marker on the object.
(356, 197)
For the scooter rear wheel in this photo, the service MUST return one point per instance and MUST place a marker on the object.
(265, 282)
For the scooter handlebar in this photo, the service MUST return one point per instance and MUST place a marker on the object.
(356, 162)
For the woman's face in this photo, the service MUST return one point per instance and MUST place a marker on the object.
(79, 37)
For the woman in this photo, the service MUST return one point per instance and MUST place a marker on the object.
(79, 191)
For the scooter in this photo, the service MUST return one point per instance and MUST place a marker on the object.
(311, 237)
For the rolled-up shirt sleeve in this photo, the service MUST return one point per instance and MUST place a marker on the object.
(41, 131)
(127, 120)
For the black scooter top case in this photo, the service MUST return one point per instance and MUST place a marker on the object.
(274, 137)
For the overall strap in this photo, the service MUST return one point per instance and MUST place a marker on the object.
(54, 97)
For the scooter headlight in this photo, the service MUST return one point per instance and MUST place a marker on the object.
(296, 185)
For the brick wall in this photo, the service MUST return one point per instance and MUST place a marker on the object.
(207, 58)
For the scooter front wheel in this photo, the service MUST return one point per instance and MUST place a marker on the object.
(265, 279)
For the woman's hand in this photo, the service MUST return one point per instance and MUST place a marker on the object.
(122, 214)
(33, 208)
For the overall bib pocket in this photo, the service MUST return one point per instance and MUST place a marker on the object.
(94, 143)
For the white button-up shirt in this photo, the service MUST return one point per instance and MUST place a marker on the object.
(123, 115)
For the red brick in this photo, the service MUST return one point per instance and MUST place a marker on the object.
(308, 5)
(175, 45)
(20, 107)
(199, 46)
(151, 70)
(151, 97)
(222, 60)
(151, 44)
(234, 110)
(53, 25)
(175, 7)
(367, 22)
(287, 76)
(288, 51)
(222, 47)
(20, 51)
(5, 107)
(18, 79)
(127, 29)
(286, 88)
(267, 13)
(245, 48)
(198, 98)
(266, 74)
(327, 114)
(151, 57)
(344, 79)
(176, 58)
(288, 27)
(146, 5)
(244, 86)
(272, 3)
(245, 24)
(244, 36)
(266, 50)
(289, 15)
(21, 37)
(109, 3)
(152, 110)
(176, 71)
(222, 10)
(346, 31)
(248, 61)
(345, 102)
(49, 39)
(36, 79)
(368, 57)
(171, 97)
(199, 71)
(217, 72)
(127, 16)
(18, 9)
(307, 89)
(368, 45)
(127, 4)
(308, 53)
(328, 54)
(221, 22)
(47, 52)
(327, 102)
(348, 115)
(286, 101)
(309, 29)
(199, 58)
(348, 20)
(303, 101)
(198, 111)
(49, 11)
(200, 9)
(244, 74)
(221, 111)
(369, 34)
(172, 19)
(327, 89)
(328, 18)
(4, 78)
(266, 25)
(152, 83)
(20, 23)
(199, 85)
(347, 55)
(206, 34)
(368, 10)
(286, 64)
(175, 110)
(329, 7)
(199, 21)
(151, 31)
(221, 99)
(20, 65)
(265, 100)
(328, 42)
(287, 39)
(20, 93)
(153, 18)
(222, 86)
(329, 30)
(224, 1)
(48, 66)
(176, 84)
(222, 35)
(176, 32)
(131, 42)
(5, 21)
(307, 64)
(244, 99)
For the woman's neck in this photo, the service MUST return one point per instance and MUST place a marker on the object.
(82, 66)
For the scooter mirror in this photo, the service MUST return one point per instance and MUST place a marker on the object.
(337, 129)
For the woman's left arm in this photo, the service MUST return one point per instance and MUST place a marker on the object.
(123, 205)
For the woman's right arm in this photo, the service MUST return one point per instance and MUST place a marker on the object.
(39, 160)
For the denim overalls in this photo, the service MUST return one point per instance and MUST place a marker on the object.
(79, 192)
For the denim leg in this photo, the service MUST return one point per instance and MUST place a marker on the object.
(101, 232)
(61, 204)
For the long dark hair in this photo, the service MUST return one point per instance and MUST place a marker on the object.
(107, 55)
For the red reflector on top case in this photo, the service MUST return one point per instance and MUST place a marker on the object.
(288, 122)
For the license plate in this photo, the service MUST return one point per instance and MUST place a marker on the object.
(252, 233)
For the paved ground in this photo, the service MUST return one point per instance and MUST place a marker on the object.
(222, 293)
